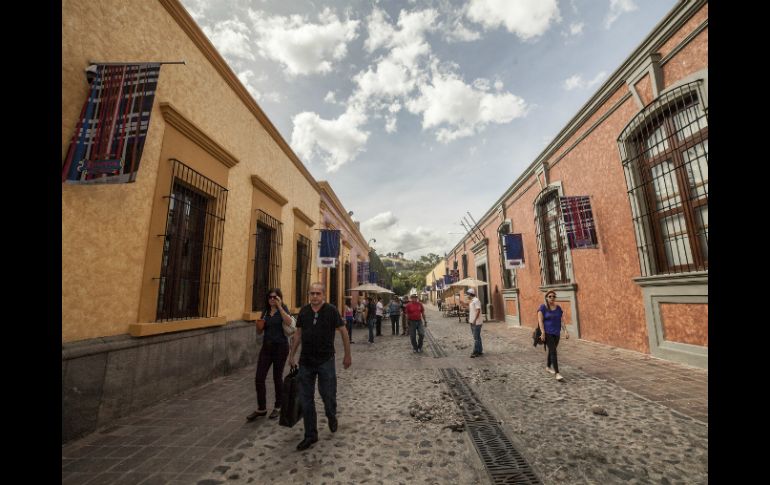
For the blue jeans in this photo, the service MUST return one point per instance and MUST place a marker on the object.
(327, 387)
(415, 327)
(372, 323)
(349, 323)
(477, 348)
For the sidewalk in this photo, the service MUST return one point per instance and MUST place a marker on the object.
(654, 430)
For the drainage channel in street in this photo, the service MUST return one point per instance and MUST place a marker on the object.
(502, 461)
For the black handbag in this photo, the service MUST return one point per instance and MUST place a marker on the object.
(536, 336)
(291, 410)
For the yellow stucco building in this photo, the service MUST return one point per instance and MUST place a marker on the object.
(162, 277)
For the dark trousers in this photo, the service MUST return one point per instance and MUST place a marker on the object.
(379, 325)
(394, 323)
(275, 355)
(327, 387)
(349, 323)
(552, 341)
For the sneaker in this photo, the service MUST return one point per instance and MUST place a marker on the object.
(559, 377)
(275, 413)
(550, 370)
(473, 356)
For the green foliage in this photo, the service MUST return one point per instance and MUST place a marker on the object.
(407, 274)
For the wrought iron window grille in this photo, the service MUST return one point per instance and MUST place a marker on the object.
(664, 152)
(268, 240)
(302, 272)
(192, 246)
(552, 245)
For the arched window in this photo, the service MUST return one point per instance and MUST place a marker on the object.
(665, 160)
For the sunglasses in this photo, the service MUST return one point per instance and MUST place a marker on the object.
(315, 318)
(551, 296)
(272, 297)
(315, 292)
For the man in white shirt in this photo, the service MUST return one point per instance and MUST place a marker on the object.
(474, 318)
(379, 312)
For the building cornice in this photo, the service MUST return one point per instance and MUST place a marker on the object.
(343, 215)
(266, 189)
(173, 117)
(303, 217)
(194, 32)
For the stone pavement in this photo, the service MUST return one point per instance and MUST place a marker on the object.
(652, 427)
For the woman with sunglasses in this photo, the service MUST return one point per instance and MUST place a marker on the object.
(549, 318)
(274, 351)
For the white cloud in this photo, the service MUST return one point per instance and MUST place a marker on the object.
(460, 110)
(577, 82)
(408, 240)
(618, 8)
(460, 33)
(380, 222)
(248, 78)
(336, 142)
(576, 28)
(525, 18)
(231, 38)
(390, 125)
(390, 78)
(303, 47)
(330, 98)
(196, 9)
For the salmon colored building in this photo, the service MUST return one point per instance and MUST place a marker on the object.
(162, 278)
(613, 214)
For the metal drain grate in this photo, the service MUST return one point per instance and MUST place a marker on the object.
(437, 350)
(503, 462)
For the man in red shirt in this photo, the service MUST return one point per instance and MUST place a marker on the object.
(415, 314)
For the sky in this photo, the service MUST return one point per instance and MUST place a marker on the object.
(419, 111)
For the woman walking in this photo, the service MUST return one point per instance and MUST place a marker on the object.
(549, 318)
(274, 351)
(349, 320)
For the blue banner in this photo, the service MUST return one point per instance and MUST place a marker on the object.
(330, 248)
(373, 277)
(514, 251)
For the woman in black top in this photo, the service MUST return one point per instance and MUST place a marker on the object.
(274, 351)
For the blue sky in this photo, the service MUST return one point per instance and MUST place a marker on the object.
(416, 111)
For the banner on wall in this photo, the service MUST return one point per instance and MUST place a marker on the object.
(514, 251)
(330, 248)
(112, 127)
(579, 222)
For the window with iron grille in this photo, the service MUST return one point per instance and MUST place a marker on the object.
(665, 160)
(552, 245)
(509, 276)
(334, 285)
(302, 275)
(267, 259)
(465, 266)
(192, 247)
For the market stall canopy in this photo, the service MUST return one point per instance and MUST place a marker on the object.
(469, 282)
(372, 288)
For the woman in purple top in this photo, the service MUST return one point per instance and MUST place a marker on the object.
(549, 320)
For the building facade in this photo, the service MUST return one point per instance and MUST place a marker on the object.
(613, 214)
(162, 278)
(353, 250)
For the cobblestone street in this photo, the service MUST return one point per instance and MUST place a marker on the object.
(618, 417)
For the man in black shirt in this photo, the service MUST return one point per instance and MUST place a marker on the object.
(315, 331)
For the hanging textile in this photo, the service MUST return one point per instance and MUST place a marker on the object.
(514, 251)
(579, 222)
(111, 130)
(330, 248)
(373, 277)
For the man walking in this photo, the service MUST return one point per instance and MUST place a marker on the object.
(379, 312)
(315, 331)
(394, 307)
(371, 317)
(474, 318)
(415, 314)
